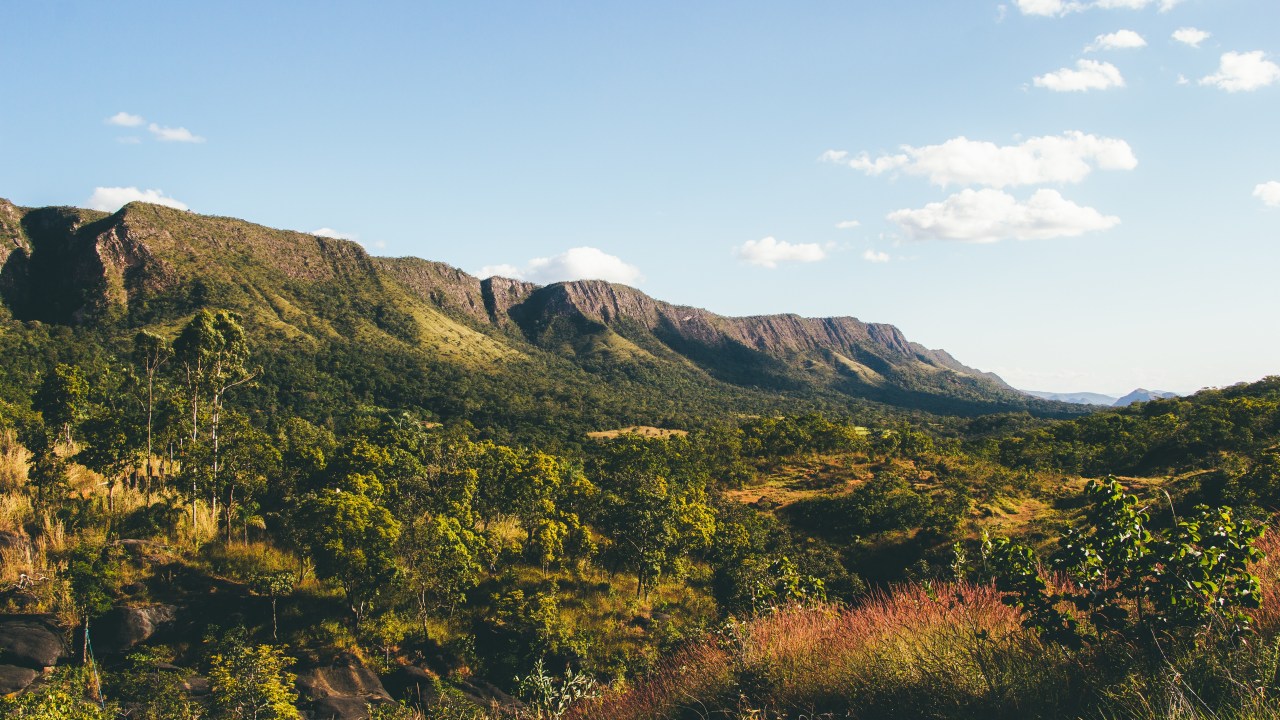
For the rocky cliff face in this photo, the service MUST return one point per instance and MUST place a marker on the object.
(864, 350)
(153, 264)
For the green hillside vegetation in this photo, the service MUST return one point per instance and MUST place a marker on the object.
(265, 474)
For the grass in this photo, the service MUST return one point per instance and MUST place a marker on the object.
(641, 430)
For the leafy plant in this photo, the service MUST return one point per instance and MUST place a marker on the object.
(1126, 580)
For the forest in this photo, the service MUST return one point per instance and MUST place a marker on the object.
(249, 473)
(194, 551)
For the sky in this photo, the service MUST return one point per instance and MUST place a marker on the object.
(1078, 196)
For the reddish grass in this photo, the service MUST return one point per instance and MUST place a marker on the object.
(904, 648)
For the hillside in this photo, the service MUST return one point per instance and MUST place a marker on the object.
(497, 351)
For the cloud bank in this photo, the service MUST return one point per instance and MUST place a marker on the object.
(110, 199)
(1243, 72)
(987, 216)
(1066, 158)
(1087, 75)
(1268, 193)
(580, 263)
(1119, 40)
(768, 252)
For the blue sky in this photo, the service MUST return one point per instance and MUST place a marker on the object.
(1075, 195)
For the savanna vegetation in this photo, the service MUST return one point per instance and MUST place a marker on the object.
(223, 502)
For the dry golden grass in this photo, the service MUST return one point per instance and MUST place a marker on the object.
(14, 460)
(641, 430)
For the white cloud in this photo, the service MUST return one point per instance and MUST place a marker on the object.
(1047, 7)
(580, 263)
(769, 251)
(875, 256)
(331, 233)
(1190, 36)
(1058, 8)
(124, 119)
(1118, 40)
(1183, 79)
(847, 224)
(111, 199)
(178, 134)
(1243, 71)
(1088, 75)
(503, 270)
(1069, 157)
(1268, 193)
(986, 216)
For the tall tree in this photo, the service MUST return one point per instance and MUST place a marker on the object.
(61, 398)
(150, 352)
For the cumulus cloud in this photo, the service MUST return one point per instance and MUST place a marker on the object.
(1190, 36)
(769, 251)
(875, 256)
(847, 224)
(1069, 157)
(331, 233)
(1268, 193)
(580, 263)
(1087, 75)
(1118, 40)
(1058, 8)
(178, 134)
(986, 216)
(1243, 72)
(110, 199)
(124, 119)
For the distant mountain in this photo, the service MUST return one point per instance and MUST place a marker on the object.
(1142, 395)
(1078, 398)
(341, 326)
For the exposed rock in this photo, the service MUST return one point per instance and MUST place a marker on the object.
(31, 641)
(124, 627)
(14, 678)
(13, 541)
(342, 690)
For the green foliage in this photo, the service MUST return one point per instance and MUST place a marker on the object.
(1126, 580)
(61, 398)
(653, 508)
(352, 539)
(248, 681)
(549, 697)
(67, 695)
(153, 689)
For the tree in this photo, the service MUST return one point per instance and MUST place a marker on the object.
(274, 584)
(150, 352)
(1129, 581)
(213, 353)
(351, 538)
(61, 398)
(443, 562)
(251, 682)
(91, 575)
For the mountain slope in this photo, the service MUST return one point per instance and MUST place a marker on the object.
(498, 350)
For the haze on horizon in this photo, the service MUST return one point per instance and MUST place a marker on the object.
(1077, 196)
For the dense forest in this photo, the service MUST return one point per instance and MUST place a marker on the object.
(224, 494)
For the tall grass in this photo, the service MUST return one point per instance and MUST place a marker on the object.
(955, 651)
(951, 651)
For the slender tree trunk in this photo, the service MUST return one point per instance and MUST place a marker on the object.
(274, 627)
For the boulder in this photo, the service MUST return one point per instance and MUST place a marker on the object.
(341, 690)
(14, 678)
(124, 627)
(31, 641)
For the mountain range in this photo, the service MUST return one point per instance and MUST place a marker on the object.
(602, 351)
(1091, 398)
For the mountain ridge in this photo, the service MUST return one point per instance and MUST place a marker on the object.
(150, 265)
